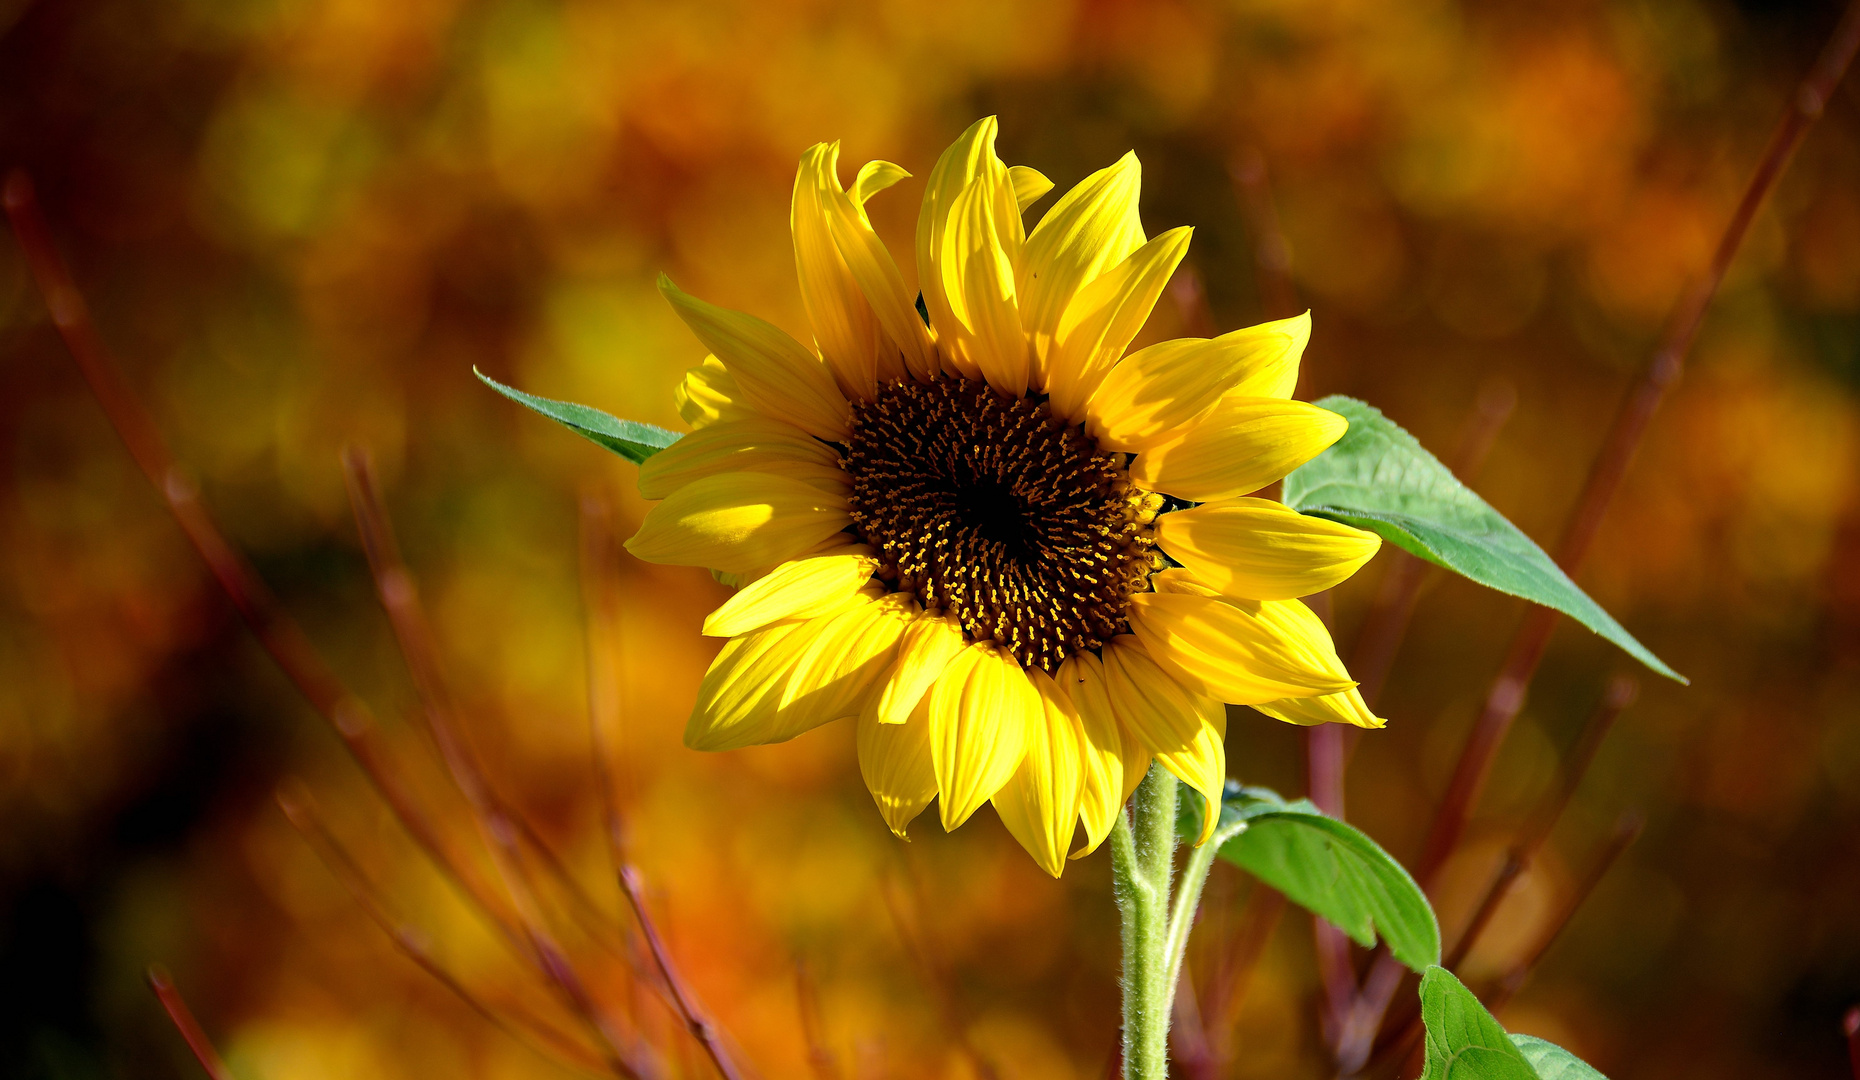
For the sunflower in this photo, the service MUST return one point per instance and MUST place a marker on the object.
(1024, 564)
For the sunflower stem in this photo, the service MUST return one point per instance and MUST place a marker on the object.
(1142, 862)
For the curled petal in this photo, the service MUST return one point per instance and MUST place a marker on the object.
(1029, 184)
(708, 393)
(843, 323)
(878, 279)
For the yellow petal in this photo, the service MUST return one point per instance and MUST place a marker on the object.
(874, 177)
(839, 670)
(978, 283)
(708, 394)
(754, 444)
(796, 589)
(1259, 550)
(929, 644)
(1240, 446)
(969, 159)
(1040, 803)
(1152, 394)
(777, 376)
(1029, 184)
(894, 759)
(1103, 317)
(844, 325)
(1243, 651)
(1185, 729)
(739, 702)
(878, 279)
(1091, 228)
(980, 710)
(1345, 708)
(1265, 357)
(737, 522)
(1108, 754)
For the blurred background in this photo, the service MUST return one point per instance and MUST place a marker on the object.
(300, 224)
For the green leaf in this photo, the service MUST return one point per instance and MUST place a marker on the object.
(1377, 477)
(1329, 868)
(630, 439)
(1463, 1041)
(1552, 1062)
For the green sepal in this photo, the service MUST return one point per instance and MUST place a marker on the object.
(1378, 477)
(631, 439)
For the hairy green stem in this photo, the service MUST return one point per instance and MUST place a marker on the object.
(1155, 927)
(1142, 861)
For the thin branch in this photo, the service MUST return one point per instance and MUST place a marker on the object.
(1264, 907)
(599, 594)
(281, 638)
(523, 1026)
(941, 984)
(1507, 694)
(183, 1019)
(807, 1003)
(1403, 1040)
(400, 598)
(1627, 830)
(1328, 747)
(1619, 696)
(682, 999)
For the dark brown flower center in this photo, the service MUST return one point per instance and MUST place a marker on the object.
(996, 512)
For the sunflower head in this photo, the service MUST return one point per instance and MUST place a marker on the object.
(1024, 564)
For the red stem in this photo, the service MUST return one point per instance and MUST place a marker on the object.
(183, 1019)
(527, 1028)
(495, 824)
(682, 999)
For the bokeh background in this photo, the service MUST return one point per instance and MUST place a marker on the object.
(302, 222)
